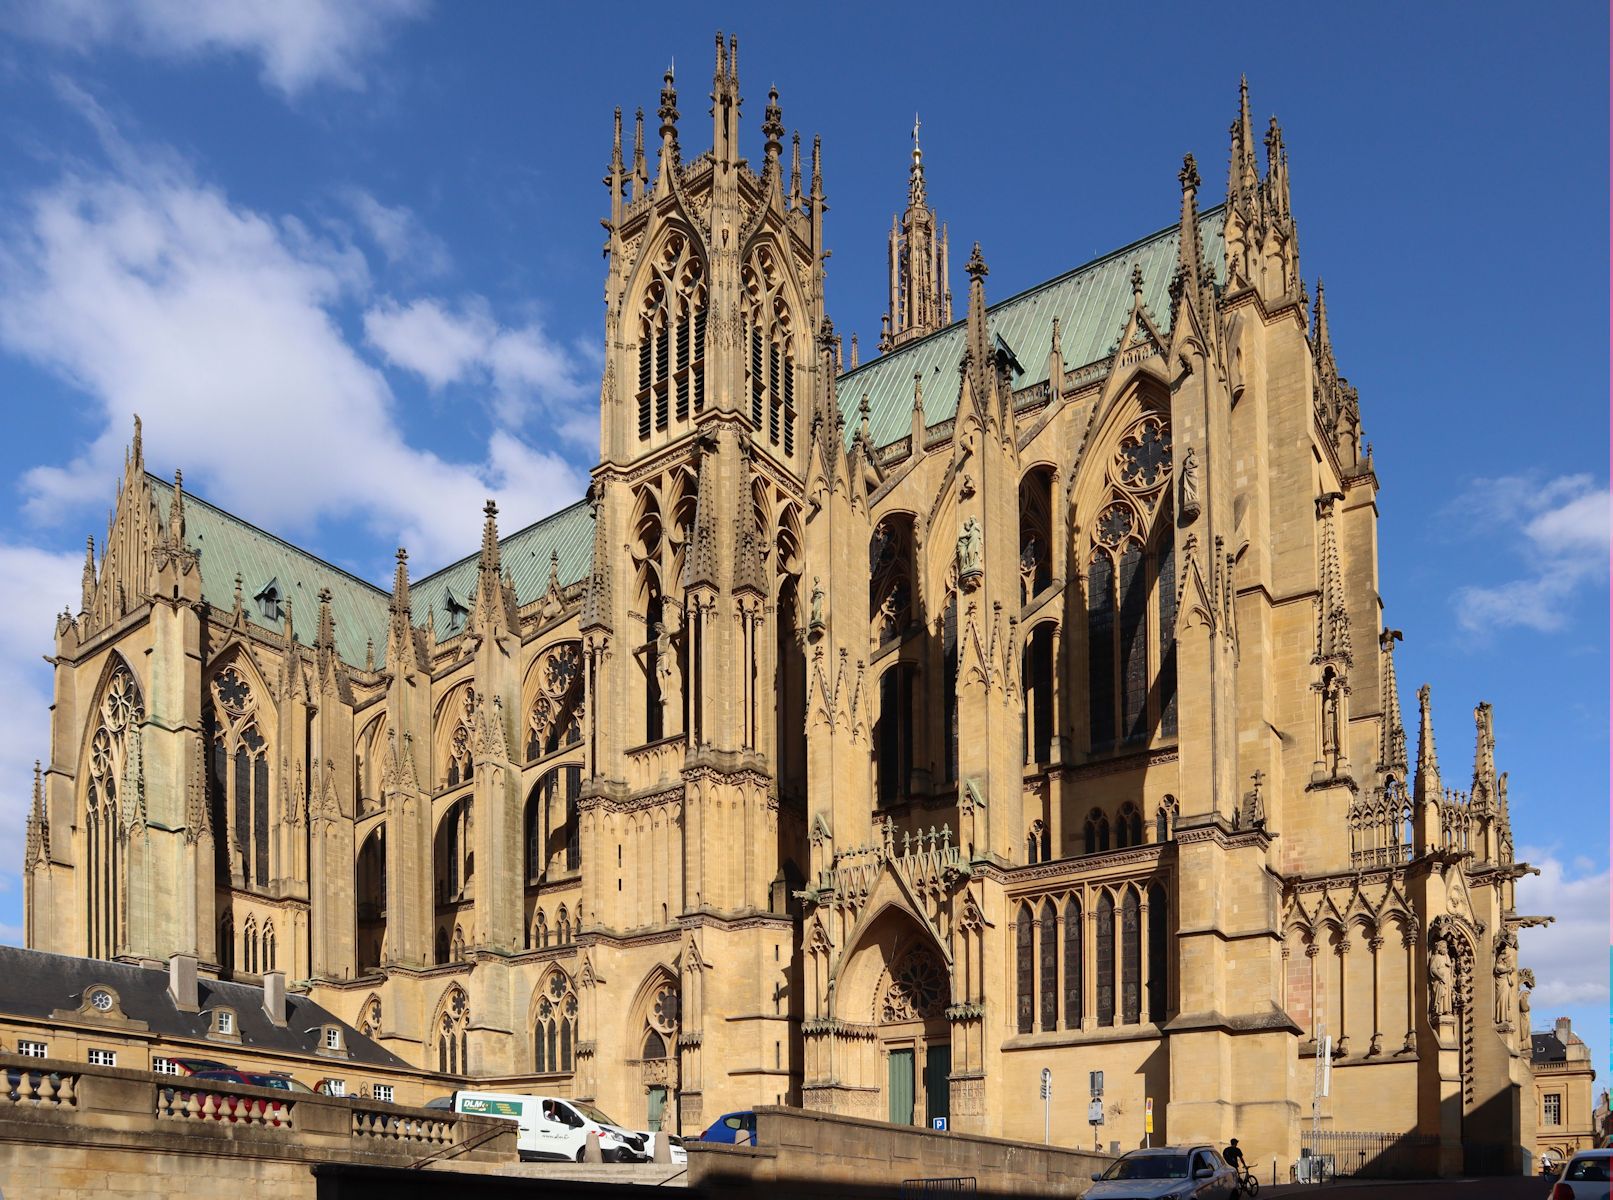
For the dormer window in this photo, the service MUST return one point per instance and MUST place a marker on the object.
(333, 1037)
(224, 1021)
(269, 599)
(456, 612)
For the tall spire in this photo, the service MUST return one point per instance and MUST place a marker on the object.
(1484, 778)
(919, 299)
(1191, 277)
(668, 112)
(773, 133)
(38, 846)
(1243, 173)
(613, 174)
(1333, 632)
(400, 634)
(1428, 789)
(596, 597)
(487, 562)
(1321, 336)
(325, 636)
(795, 171)
(88, 601)
(725, 102)
(978, 341)
(1392, 742)
(641, 173)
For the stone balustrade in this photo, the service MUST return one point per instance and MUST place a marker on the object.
(62, 1123)
(656, 763)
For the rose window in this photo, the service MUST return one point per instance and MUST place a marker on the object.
(1114, 524)
(918, 989)
(1145, 456)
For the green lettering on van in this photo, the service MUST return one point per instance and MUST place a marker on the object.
(491, 1108)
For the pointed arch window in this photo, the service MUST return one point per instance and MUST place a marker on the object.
(1131, 960)
(890, 577)
(1073, 963)
(116, 778)
(555, 718)
(1128, 826)
(1048, 990)
(268, 946)
(1095, 834)
(538, 938)
(226, 944)
(672, 339)
(455, 860)
(1105, 933)
(1158, 952)
(893, 734)
(770, 345)
(460, 766)
(240, 776)
(553, 838)
(1025, 967)
(554, 1033)
(453, 1020)
(249, 941)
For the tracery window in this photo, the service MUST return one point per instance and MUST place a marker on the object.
(1105, 934)
(1074, 964)
(770, 358)
(268, 946)
(538, 936)
(556, 716)
(1158, 953)
(1025, 967)
(453, 1019)
(553, 824)
(455, 856)
(1095, 834)
(460, 765)
(1035, 532)
(240, 776)
(249, 941)
(890, 577)
(1131, 642)
(672, 339)
(1049, 989)
(1128, 826)
(1130, 958)
(554, 1034)
(918, 988)
(114, 766)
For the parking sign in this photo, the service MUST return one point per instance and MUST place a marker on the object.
(939, 1124)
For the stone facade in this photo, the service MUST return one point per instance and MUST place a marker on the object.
(1565, 1118)
(868, 740)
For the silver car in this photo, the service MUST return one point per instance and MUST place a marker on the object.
(1167, 1173)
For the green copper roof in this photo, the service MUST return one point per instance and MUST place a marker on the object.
(569, 534)
(1092, 303)
(229, 546)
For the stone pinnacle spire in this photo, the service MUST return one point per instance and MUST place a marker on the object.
(1392, 743)
(1428, 789)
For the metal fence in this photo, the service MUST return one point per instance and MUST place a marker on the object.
(923, 1189)
(1374, 1155)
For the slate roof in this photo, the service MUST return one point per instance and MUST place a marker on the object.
(36, 984)
(1547, 1048)
(1092, 303)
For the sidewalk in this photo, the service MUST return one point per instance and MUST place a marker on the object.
(1520, 1187)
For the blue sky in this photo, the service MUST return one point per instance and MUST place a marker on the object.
(345, 261)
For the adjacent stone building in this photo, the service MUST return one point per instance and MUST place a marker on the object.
(1565, 1119)
(866, 739)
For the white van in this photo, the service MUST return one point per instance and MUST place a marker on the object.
(554, 1128)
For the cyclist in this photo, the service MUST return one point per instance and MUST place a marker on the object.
(1234, 1159)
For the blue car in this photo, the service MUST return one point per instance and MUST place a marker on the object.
(728, 1128)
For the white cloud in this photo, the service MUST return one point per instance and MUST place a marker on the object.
(154, 293)
(1560, 530)
(297, 43)
(398, 233)
(525, 369)
(1568, 957)
(35, 585)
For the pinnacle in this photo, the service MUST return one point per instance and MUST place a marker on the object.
(1189, 174)
(976, 266)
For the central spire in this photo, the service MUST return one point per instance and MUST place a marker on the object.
(920, 296)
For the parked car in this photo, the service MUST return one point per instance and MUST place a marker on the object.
(191, 1066)
(1585, 1177)
(554, 1128)
(274, 1079)
(223, 1075)
(1167, 1173)
(727, 1128)
(675, 1151)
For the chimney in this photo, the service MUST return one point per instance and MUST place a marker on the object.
(182, 982)
(1564, 1030)
(274, 997)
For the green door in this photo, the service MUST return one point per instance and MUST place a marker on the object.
(937, 1091)
(657, 1106)
(900, 1090)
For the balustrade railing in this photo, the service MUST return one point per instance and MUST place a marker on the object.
(42, 1089)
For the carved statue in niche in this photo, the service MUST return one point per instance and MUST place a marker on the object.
(817, 603)
(1441, 973)
(1505, 972)
(664, 664)
(969, 550)
(1190, 485)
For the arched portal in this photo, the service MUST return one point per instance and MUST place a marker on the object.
(896, 985)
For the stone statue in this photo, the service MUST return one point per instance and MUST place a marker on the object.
(1505, 971)
(663, 661)
(1441, 973)
(817, 602)
(969, 548)
(1190, 485)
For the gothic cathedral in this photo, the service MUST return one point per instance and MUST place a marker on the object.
(870, 737)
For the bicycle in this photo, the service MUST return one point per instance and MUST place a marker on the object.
(1248, 1185)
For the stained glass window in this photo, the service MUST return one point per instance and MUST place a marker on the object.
(1131, 958)
(1072, 963)
(1133, 644)
(1167, 637)
(1050, 967)
(1106, 960)
(1025, 968)
(1100, 651)
(1158, 953)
